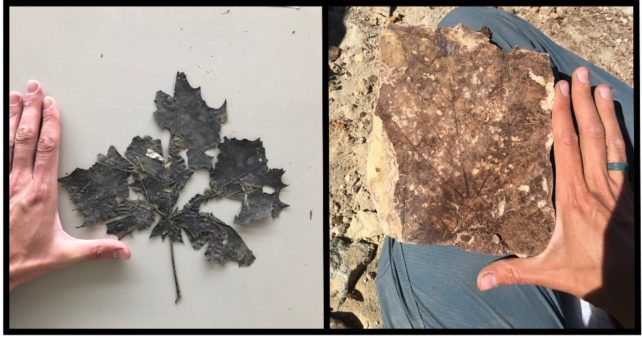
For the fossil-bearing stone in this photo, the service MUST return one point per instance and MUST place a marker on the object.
(460, 147)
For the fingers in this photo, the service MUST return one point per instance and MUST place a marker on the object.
(615, 147)
(15, 111)
(94, 249)
(47, 149)
(26, 136)
(568, 161)
(512, 271)
(591, 129)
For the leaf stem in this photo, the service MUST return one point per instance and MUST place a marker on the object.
(178, 289)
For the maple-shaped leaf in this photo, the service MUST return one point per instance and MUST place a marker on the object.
(186, 115)
(102, 192)
(240, 173)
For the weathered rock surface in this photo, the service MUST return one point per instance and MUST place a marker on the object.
(459, 152)
(348, 261)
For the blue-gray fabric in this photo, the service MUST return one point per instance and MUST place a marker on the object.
(433, 286)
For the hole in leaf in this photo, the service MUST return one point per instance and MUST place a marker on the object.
(268, 189)
(133, 195)
(165, 135)
(195, 185)
(224, 209)
(214, 154)
(183, 154)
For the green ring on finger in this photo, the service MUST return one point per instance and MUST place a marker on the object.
(619, 166)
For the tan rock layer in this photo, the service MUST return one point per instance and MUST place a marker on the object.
(460, 147)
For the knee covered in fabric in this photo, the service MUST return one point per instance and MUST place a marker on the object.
(471, 17)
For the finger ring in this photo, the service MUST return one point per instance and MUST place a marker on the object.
(620, 166)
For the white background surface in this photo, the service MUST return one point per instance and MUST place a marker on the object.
(267, 63)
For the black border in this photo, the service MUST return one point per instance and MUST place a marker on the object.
(325, 120)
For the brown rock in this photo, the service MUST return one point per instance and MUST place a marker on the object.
(333, 53)
(460, 143)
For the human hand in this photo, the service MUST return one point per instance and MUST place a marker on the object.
(591, 252)
(37, 242)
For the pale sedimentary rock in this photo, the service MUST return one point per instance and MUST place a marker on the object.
(460, 147)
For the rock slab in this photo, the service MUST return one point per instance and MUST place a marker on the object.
(459, 152)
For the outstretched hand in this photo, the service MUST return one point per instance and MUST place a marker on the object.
(37, 242)
(591, 253)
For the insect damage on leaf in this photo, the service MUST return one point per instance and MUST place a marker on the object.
(241, 172)
(101, 193)
(186, 115)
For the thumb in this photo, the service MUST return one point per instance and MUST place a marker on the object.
(93, 249)
(510, 271)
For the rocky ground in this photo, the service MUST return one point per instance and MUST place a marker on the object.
(602, 35)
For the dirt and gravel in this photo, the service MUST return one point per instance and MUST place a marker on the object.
(602, 35)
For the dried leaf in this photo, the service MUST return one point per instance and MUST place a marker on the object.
(223, 243)
(240, 173)
(141, 218)
(101, 192)
(186, 115)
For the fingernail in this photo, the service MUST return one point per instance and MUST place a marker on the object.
(47, 102)
(118, 254)
(14, 99)
(605, 93)
(32, 86)
(564, 88)
(582, 75)
(487, 281)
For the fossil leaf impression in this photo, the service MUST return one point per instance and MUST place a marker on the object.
(101, 193)
(460, 147)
